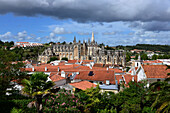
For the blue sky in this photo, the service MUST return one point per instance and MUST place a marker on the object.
(113, 24)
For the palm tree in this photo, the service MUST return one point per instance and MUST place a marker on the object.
(37, 86)
(161, 91)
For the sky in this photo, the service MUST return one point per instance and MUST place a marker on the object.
(114, 22)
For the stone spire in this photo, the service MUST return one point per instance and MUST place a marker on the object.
(74, 41)
(92, 38)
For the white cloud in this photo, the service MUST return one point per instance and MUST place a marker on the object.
(21, 35)
(5, 36)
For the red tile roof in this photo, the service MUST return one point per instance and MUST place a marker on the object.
(152, 61)
(98, 65)
(130, 71)
(128, 78)
(98, 76)
(83, 85)
(72, 61)
(22, 42)
(78, 61)
(50, 68)
(156, 71)
(55, 78)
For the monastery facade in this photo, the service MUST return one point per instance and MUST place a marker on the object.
(84, 51)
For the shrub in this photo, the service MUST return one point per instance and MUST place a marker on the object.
(16, 106)
(63, 101)
(65, 58)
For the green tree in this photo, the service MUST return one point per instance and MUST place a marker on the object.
(52, 59)
(65, 58)
(160, 57)
(136, 57)
(160, 93)
(127, 57)
(132, 98)
(37, 86)
(9, 70)
(144, 57)
(154, 57)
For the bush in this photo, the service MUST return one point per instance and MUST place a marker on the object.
(65, 58)
(52, 59)
(16, 106)
(63, 101)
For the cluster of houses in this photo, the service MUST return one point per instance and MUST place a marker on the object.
(80, 75)
(149, 53)
(25, 44)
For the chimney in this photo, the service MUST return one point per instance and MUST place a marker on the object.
(58, 69)
(33, 68)
(45, 68)
(63, 74)
(107, 68)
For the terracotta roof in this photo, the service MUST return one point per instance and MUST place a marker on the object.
(97, 76)
(55, 78)
(152, 61)
(22, 42)
(72, 61)
(83, 85)
(98, 65)
(130, 71)
(84, 61)
(156, 71)
(50, 68)
(128, 78)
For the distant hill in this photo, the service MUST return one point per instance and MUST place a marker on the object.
(162, 48)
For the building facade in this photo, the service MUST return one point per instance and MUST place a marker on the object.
(84, 51)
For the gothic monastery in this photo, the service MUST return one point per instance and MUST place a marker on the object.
(84, 51)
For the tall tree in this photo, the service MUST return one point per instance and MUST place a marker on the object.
(154, 57)
(37, 86)
(144, 57)
(9, 70)
(160, 92)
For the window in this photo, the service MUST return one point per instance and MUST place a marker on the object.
(91, 73)
(107, 82)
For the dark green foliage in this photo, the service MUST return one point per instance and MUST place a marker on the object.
(63, 43)
(162, 48)
(65, 58)
(154, 57)
(128, 57)
(7, 106)
(109, 48)
(120, 47)
(101, 45)
(9, 71)
(144, 57)
(37, 86)
(6, 44)
(52, 59)
(160, 93)
(127, 69)
(28, 53)
(136, 57)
